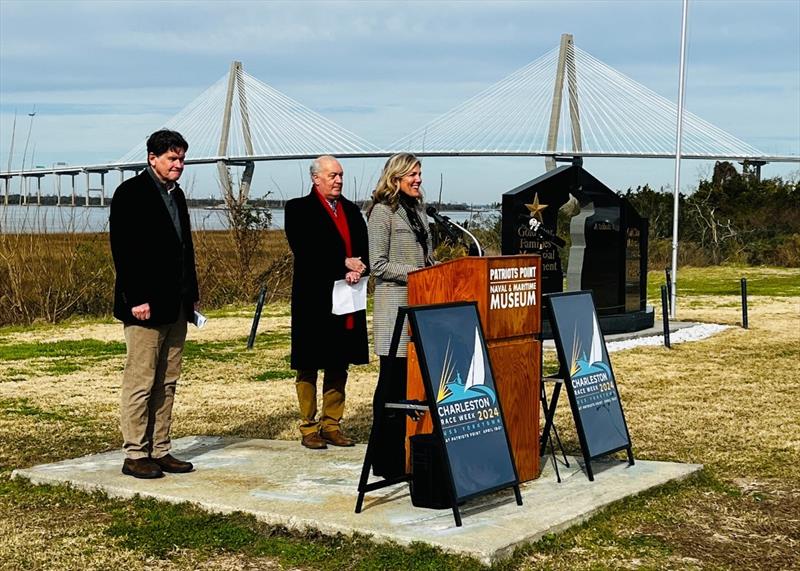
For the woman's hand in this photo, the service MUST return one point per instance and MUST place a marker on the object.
(352, 277)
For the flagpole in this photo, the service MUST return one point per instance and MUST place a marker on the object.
(676, 189)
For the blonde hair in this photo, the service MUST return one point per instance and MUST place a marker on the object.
(388, 189)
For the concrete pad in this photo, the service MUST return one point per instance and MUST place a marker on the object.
(280, 482)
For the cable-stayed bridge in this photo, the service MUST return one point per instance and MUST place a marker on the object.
(564, 105)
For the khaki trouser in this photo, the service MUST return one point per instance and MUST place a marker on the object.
(333, 383)
(152, 369)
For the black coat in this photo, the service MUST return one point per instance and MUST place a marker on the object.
(319, 338)
(151, 263)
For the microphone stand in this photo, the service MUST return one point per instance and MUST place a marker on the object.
(476, 245)
(446, 223)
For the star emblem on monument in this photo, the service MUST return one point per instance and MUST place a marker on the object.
(536, 208)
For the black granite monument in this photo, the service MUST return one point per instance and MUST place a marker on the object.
(608, 252)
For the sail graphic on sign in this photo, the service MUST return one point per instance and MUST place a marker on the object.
(582, 364)
(447, 373)
(476, 372)
(596, 354)
(473, 385)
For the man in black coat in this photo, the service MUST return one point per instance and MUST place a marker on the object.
(328, 237)
(155, 294)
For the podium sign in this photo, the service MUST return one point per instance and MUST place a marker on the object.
(462, 397)
(589, 379)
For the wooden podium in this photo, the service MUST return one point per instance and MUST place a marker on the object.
(507, 289)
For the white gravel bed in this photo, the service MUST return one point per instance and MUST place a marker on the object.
(693, 333)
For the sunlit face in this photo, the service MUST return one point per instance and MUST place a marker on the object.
(329, 179)
(168, 166)
(411, 182)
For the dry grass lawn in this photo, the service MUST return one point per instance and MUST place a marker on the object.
(730, 402)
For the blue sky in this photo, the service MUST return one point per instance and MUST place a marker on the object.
(100, 74)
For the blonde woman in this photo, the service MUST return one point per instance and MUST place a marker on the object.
(399, 243)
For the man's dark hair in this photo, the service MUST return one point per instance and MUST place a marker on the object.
(165, 140)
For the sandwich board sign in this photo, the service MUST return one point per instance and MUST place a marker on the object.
(462, 399)
(588, 377)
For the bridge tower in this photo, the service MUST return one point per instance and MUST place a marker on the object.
(235, 84)
(566, 65)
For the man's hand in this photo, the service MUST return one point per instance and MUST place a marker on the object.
(141, 312)
(355, 265)
(352, 277)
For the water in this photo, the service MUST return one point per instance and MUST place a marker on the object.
(58, 219)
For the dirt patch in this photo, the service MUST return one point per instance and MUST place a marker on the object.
(757, 530)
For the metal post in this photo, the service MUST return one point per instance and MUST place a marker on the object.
(102, 188)
(676, 190)
(665, 317)
(669, 287)
(743, 283)
(254, 328)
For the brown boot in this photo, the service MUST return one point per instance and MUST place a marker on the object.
(336, 438)
(141, 468)
(313, 441)
(171, 464)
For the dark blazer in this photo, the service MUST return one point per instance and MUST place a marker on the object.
(152, 265)
(319, 338)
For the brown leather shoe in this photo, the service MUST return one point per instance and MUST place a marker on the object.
(141, 468)
(171, 464)
(336, 438)
(313, 441)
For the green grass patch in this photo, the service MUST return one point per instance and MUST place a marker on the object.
(217, 351)
(274, 339)
(725, 280)
(61, 367)
(234, 349)
(160, 528)
(23, 407)
(163, 530)
(71, 348)
(274, 375)
(16, 374)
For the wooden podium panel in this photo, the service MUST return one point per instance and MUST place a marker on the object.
(509, 304)
(503, 286)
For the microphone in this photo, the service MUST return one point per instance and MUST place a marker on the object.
(544, 233)
(442, 221)
(448, 224)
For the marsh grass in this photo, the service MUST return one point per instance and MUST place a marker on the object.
(729, 402)
(53, 277)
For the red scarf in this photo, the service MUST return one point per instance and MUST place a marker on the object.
(340, 220)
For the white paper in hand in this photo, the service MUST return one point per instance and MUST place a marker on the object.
(349, 298)
(199, 319)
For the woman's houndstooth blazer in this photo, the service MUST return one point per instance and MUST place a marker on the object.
(393, 253)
